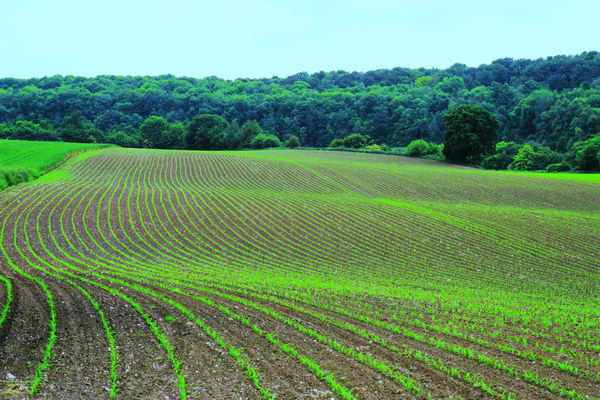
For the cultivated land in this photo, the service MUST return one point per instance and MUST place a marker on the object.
(297, 274)
(22, 160)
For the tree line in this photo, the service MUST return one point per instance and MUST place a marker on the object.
(552, 103)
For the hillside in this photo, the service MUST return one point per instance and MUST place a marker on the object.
(297, 274)
(22, 160)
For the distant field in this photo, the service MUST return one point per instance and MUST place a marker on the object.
(22, 161)
(281, 274)
(580, 177)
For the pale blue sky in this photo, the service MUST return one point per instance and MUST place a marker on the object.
(264, 38)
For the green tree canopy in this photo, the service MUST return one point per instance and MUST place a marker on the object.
(523, 161)
(206, 132)
(420, 148)
(469, 133)
(554, 102)
(156, 132)
(77, 128)
(27, 130)
(250, 129)
(503, 156)
(120, 138)
(292, 142)
(233, 135)
(357, 141)
(263, 141)
(588, 154)
(337, 143)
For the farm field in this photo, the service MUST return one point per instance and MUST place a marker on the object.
(23, 160)
(281, 274)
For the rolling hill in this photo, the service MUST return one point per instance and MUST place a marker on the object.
(297, 274)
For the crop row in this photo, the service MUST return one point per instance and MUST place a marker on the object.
(197, 232)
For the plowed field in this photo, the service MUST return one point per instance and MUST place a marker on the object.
(138, 274)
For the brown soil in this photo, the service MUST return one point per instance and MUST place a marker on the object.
(80, 361)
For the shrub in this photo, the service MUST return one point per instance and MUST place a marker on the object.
(534, 157)
(27, 130)
(353, 141)
(120, 138)
(422, 148)
(562, 166)
(6, 131)
(337, 143)
(373, 147)
(263, 141)
(503, 156)
(418, 148)
(356, 141)
(292, 142)
(523, 161)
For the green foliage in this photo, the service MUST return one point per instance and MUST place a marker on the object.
(532, 158)
(14, 176)
(418, 148)
(373, 147)
(78, 129)
(587, 156)
(528, 112)
(23, 161)
(454, 86)
(523, 161)
(292, 142)
(170, 319)
(206, 132)
(6, 131)
(504, 155)
(551, 101)
(9, 299)
(27, 130)
(562, 166)
(263, 141)
(337, 143)
(122, 139)
(356, 141)
(469, 133)
(156, 132)
(424, 81)
(421, 148)
(250, 130)
(233, 135)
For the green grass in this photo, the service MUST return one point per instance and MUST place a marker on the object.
(570, 176)
(23, 161)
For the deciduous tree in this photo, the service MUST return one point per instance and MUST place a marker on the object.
(206, 132)
(469, 133)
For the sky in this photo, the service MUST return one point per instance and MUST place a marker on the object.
(265, 38)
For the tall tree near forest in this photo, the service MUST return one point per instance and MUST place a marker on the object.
(206, 132)
(469, 133)
(588, 155)
(158, 133)
(250, 130)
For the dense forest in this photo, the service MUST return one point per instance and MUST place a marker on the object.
(552, 102)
